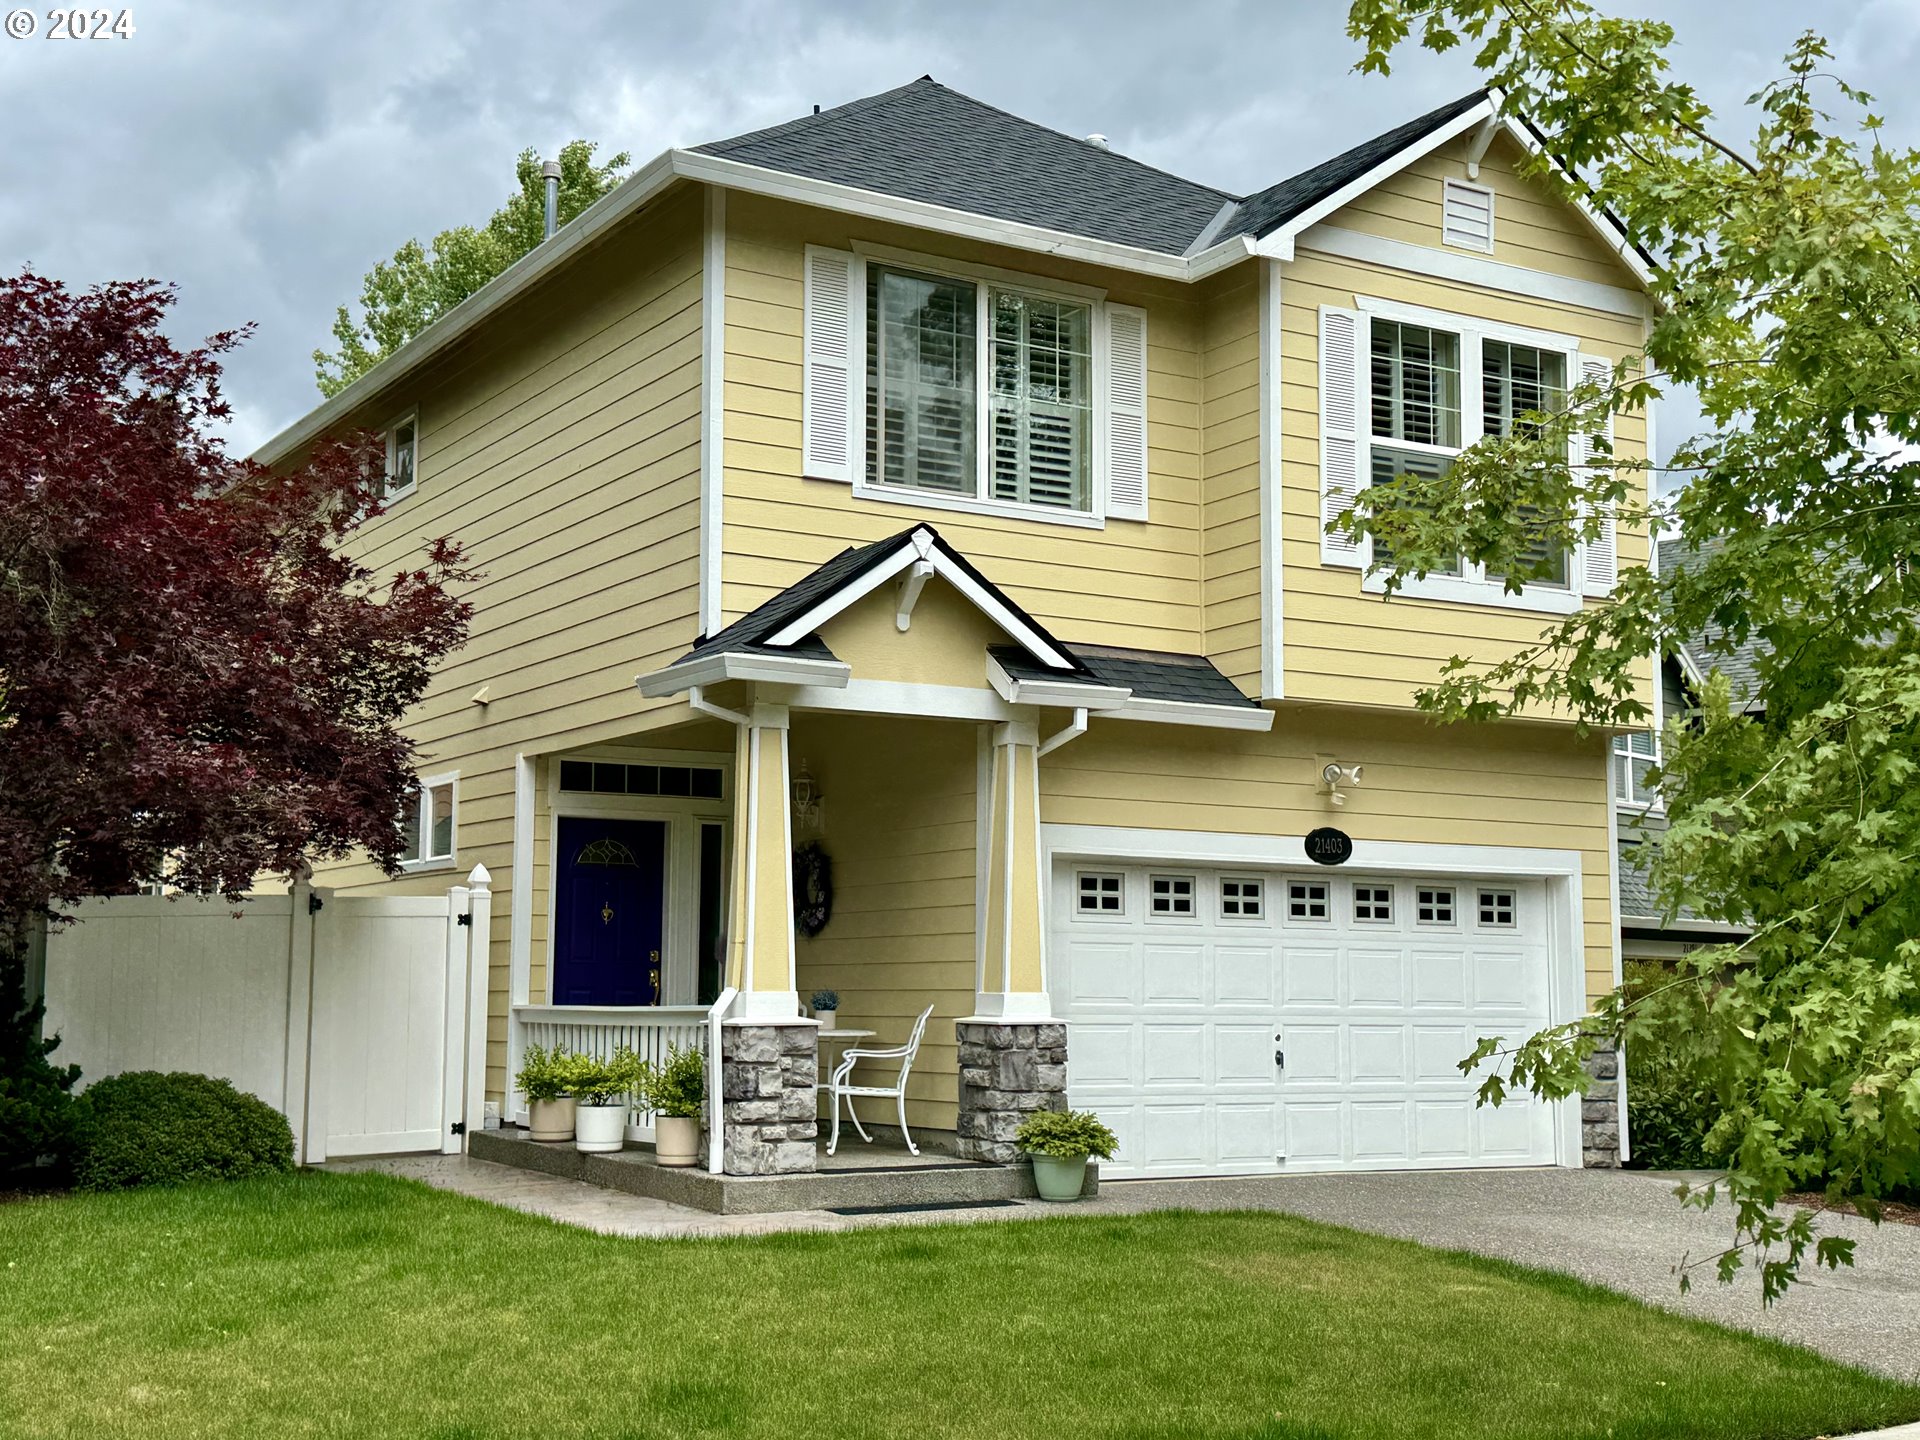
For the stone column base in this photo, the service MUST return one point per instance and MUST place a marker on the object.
(767, 1101)
(1600, 1113)
(1006, 1071)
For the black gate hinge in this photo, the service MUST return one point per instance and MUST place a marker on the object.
(314, 903)
(466, 919)
(459, 1127)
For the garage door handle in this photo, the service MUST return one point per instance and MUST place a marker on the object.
(1280, 1058)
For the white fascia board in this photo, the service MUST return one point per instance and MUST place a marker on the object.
(585, 230)
(1609, 233)
(1065, 694)
(890, 697)
(943, 566)
(1475, 270)
(919, 214)
(1188, 712)
(1278, 244)
(738, 665)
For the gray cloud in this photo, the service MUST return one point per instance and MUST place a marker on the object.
(263, 156)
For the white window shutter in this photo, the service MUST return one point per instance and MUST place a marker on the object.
(1126, 413)
(1599, 561)
(827, 444)
(1342, 457)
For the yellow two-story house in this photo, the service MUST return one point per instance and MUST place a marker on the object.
(906, 572)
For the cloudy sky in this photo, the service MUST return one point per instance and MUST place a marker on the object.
(263, 156)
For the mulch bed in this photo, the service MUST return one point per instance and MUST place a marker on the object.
(1890, 1210)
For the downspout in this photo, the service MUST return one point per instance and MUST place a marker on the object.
(1074, 729)
(697, 698)
(716, 1128)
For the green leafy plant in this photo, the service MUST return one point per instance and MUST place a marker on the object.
(543, 1073)
(148, 1128)
(37, 1107)
(677, 1088)
(1064, 1134)
(825, 1000)
(594, 1081)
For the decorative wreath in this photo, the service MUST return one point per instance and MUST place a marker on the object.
(812, 889)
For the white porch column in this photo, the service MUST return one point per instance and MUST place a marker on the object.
(519, 932)
(761, 942)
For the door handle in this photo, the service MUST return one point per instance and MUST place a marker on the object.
(1279, 1055)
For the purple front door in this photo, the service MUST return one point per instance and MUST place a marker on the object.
(611, 885)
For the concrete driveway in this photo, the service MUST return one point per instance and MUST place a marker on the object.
(1622, 1229)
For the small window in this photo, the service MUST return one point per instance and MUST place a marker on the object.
(1433, 905)
(403, 445)
(677, 782)
(1101, 894)
(1307, 900)
(1496, 908)
(1243, 899)
(1373, 903)
(1634, 757)
(1172, 895)
(1467, 222)
(427, 823)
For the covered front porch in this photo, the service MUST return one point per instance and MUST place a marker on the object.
(847, 801)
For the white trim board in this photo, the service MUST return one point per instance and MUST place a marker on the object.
(1475, 270)
(1273, 647)
(713, 408)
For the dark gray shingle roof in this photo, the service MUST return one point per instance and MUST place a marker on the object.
(1710, 650)
(1150, 674)
(925, 142)
(1271, 208)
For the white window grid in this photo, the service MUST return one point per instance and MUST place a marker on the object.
(1373, 904)
(403, 456)
(1497, 909)
(1634, 755)
(1434, 905)
(1309, 900)
(434, 799)
(1243, 897)
(1170, 897)
(1100, 892)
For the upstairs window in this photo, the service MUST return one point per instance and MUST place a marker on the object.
(924, 359)
(403, 445)
(1515, 381)
(427, 823)
(1415, 391)
(1633, 757)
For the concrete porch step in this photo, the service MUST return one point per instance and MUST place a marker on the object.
(869, 1178)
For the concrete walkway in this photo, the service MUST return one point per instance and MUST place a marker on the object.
(1620, 1229)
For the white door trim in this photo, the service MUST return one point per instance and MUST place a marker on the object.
(1560, 869)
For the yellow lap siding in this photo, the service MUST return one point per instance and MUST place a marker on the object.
(1230, 542)
(779, 525)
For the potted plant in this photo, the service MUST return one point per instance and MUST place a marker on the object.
(600, 1089)
(826, 1007)
(1059, 1142)
(543, 1080)
(676, 1092)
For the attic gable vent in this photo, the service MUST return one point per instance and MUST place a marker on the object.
(1468, 219)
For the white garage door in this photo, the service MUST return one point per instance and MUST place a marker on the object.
(1183, 988)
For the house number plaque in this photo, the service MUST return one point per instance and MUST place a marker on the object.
(1327, 846)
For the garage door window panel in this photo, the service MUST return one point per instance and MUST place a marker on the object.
(1433, 905)
(1373, 904)
(1497, 909)
(1243, 898)
(1170, 897)
(1307, 900)
(1100, 893)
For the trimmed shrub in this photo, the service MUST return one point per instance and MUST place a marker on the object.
(146, 1128)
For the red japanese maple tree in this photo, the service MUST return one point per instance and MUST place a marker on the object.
(195, 678)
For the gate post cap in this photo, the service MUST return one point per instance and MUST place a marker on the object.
(479, 876)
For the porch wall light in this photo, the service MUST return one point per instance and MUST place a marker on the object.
(807, 801)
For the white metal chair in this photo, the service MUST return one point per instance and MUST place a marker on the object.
(898, 1090)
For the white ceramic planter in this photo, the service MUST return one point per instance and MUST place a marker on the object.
(598, 1128)
(676, 1139)
(550, 1119)
(826, 1018)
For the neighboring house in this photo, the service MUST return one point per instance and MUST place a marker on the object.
(954, 489)
(1645, 931)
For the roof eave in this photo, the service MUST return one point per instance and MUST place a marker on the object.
(744, 665)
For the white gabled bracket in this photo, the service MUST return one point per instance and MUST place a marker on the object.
(914, 580)
(1477, 146)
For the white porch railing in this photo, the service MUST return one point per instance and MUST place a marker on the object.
(650, 1031)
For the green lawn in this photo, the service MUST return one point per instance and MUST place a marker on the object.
(364, 1305)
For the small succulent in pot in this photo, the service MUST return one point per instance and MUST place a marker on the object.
(826, 1005)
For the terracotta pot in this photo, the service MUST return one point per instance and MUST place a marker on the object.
(676, 1139)
(550, 1119)
(600, 1128)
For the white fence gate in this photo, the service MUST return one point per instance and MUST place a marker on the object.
(362, 1019)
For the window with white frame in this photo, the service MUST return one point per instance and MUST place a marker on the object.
(926, 355)
(403, 453)
(1242, 898)
(1433, 905)
(427, 823)
(1170, 896)
(1101, 893)
(1634, 756)
(1497, 909)
(1307, 900)
(1372, 903)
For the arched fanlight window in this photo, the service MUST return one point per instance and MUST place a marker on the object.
(606, 851)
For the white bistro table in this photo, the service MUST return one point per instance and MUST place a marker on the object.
(829, 1041)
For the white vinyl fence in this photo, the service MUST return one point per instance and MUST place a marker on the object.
(362, 1019)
